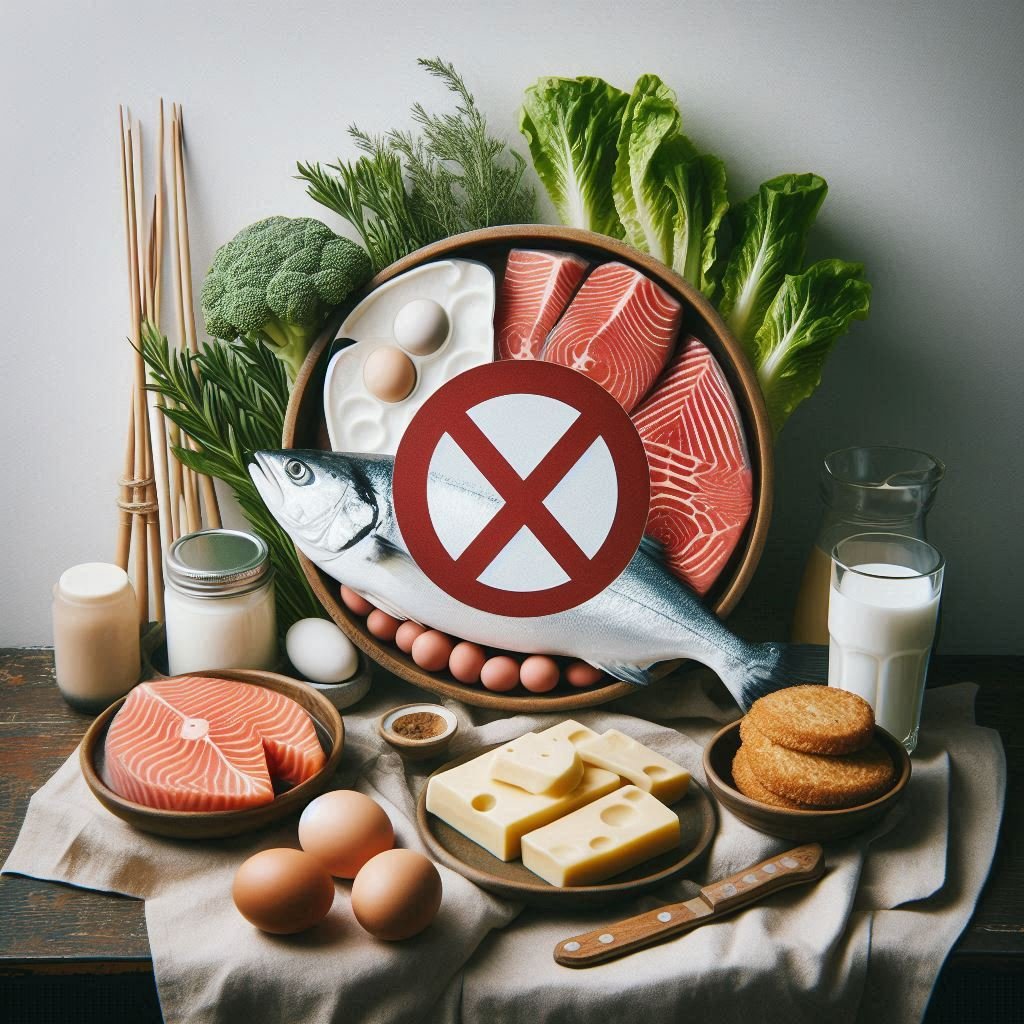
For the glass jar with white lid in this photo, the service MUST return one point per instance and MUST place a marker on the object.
(219, 602)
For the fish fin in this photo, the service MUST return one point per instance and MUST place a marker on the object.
(777, 666)
(636, 674)
(653, 549)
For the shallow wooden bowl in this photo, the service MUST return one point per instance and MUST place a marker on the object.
(304, 428)
(220, 824)
(803, 826)
(698, 822)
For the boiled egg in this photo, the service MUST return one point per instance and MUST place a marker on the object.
(283, 891)
(344, 829)
(396, 894)
(389, 374)
(421, 327)
(320, 651)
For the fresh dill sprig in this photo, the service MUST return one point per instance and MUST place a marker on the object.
(407, 190)
(234, 406)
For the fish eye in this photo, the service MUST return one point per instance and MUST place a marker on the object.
(298, 471)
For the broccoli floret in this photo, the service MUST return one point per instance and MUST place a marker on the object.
(277, 281)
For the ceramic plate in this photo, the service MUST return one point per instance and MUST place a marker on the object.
(697, 822)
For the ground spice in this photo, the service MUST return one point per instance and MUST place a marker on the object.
(420, 725)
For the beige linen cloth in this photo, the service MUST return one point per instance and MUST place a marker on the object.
(864, 944)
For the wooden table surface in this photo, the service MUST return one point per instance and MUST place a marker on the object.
(53, 930)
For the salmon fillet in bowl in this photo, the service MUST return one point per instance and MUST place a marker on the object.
(696, 405)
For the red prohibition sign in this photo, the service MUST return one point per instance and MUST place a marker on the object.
(600, 417)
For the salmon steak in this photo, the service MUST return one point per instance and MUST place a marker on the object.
(534, 293)
(701, 478)
(198, 744)
(619, 330)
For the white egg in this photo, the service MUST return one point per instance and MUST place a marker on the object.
(421, 326)
(320, 651)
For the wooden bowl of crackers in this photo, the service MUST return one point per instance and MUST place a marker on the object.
(807, 763)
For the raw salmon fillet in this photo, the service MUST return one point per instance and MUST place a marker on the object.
(619, 330)
(197, 744)
(534, 293)
(701, 480)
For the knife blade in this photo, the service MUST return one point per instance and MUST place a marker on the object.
(794, 867)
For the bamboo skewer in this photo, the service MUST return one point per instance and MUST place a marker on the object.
(140, 508)
(189, 492)
(169, 432)
(138, 484)
(210, 502)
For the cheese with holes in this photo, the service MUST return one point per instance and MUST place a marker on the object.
(497, 815)
(602, 839)
(571, 731)
(619, 753)
(538, 764)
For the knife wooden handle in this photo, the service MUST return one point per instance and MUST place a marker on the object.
(802, 864)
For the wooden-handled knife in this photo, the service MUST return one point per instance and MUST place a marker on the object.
(794, 867)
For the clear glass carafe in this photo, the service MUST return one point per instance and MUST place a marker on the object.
(879, 489)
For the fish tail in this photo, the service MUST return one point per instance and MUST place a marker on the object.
(776, 666)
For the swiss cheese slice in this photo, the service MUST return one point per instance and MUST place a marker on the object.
(603, 839)
(496, 815)
(646, 768)
(538, 764)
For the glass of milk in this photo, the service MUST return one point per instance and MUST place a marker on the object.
(883, 604)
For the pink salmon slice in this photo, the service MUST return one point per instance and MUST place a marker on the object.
(534, 293)
(619, 330)
(198, 744)
(701, 478)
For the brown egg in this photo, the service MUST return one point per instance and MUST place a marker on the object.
(343, 830)
(396, 895)
(382, 625)
(579, 673)
(431, 650)
(389, 374)
(354, 603)
(406, 635)
(466, 661)
(500, 673)
(283, 891)
(539, 673)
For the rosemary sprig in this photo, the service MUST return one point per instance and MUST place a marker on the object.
(232, 408)
(407, 190)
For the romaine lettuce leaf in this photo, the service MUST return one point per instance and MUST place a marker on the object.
(572, 126)
(770, 229)
(670, 199)
(808, 314)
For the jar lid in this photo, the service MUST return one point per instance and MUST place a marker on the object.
(217, 563)
(93, 581)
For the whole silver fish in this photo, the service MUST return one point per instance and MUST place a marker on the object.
(337, 508)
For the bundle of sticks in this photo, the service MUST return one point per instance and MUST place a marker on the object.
(165, 494)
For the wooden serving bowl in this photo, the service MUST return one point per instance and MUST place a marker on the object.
(304, 428)
(220, 824)
(803, 826)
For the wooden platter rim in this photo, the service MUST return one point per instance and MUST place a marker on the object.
(541, 893)
(219, 824)
(760, 440)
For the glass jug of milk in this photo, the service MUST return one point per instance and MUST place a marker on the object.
(883, 605)
(877, 488)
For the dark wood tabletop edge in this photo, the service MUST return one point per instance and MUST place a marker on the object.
(95, 934)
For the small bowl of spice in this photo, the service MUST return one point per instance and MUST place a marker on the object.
(418, 731)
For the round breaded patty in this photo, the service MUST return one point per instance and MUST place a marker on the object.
(815, 719)
(747, 783)
(827, 781)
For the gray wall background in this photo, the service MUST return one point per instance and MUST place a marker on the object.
(912, 111)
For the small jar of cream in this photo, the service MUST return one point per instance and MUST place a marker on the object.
(95, 635)
(219, 602)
